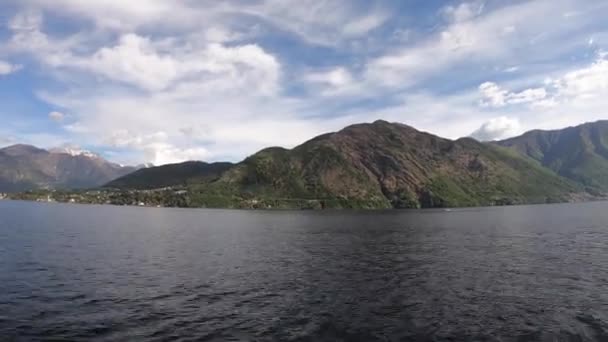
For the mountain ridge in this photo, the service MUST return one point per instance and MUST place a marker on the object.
(579, 153)
(169, 175)
(26, 167)
(373, 166)
(384, 165)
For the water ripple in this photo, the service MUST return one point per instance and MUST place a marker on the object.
(122, 274)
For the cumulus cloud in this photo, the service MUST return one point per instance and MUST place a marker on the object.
(56, 116)
(133, 60)
(186, 83)
(336, 77)
(8, 68)
(577, 85)
(156, 147)
(494, 96)
(156, 65)
(161, 154)
(137, 61)
(498, 128)
(334, 82)
(206, 83)
(584, 83)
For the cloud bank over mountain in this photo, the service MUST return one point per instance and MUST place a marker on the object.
(167, 81)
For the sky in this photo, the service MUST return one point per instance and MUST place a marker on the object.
(165, 81)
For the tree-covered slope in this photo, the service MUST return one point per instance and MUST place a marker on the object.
(384, 165)
(170, 175)
(579, 153)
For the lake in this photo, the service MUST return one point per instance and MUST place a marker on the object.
(530, 273)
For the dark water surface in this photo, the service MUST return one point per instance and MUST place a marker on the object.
(70, 272)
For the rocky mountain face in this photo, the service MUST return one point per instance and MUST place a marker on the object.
(578, 153)
(24, 167)
(387, 165)
(377, 165)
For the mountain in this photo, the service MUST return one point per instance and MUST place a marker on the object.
(170, 175)
(578, 153)
(74, 151)
(24, 167)
(374, 165)
(384, 165)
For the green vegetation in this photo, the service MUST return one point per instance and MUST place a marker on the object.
(166, 198)
(170, 175)
(577, 153)
(368, 166)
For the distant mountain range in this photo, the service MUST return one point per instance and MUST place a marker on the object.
(376, 165)
(577, 153)
(24, 167)
(391, 165)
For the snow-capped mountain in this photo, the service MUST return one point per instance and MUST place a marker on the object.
(24, 167)
(74, 151)
(145, 166)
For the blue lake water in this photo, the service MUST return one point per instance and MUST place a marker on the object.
(72, 272)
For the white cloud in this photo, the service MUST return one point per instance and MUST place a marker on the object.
(495, 96)
(157, 65)
(498, 128)
(460, 40)
(335, 83)
(325, 22)
(464, 11)
(186, 82)
(134, 60)
(161, 154)
(6, 140)
(26, 21)
(474, 36)
(204, 83)
(508, 30)
(364, 24)
(334, 78)
(27, 37)
(156, 147)
(56, 116)
(115, 14)
(582, 84)
(8, 68)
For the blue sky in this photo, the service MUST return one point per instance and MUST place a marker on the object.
(165, 81)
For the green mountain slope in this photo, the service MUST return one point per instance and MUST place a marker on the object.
(170, 175)
(579, 153)
(384, 165)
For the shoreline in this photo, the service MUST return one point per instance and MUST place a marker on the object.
(183, 198)
(444, 209)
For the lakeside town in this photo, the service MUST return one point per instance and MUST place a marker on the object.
(165, 197)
